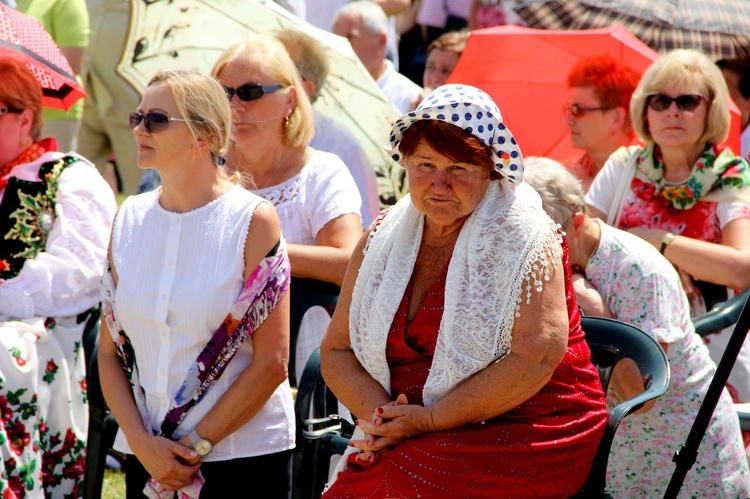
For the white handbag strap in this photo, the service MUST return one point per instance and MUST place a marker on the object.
(615, 209)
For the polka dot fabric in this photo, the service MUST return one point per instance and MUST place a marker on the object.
(473, 110)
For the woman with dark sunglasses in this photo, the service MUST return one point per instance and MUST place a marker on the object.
(683, 192)
(56, 214)
(193, 353)
(314, 194)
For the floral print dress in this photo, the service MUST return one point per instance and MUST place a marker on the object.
(642, 288)
(55, 217)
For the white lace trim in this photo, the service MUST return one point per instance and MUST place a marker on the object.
(504, 251)
(284, 192)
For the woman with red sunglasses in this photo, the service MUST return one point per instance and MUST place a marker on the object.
(314, 194)
(56, 214)
(683, 192)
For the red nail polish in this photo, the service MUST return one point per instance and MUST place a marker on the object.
(380, 410)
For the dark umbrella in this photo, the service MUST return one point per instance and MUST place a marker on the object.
(720, 28)
(26, 38)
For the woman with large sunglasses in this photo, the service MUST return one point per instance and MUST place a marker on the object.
(683, 192)
(314, 194)
(193, 354)
(56, 213)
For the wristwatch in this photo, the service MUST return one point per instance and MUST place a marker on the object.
(202, 446)
(666, 240)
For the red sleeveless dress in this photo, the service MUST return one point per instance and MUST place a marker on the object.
(542, 448)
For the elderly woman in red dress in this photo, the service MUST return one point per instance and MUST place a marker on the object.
(457, 341)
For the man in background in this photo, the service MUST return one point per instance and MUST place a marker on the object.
(365, 25)
(312, 63)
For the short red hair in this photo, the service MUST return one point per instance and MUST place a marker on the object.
(453, 142)
(613, 82)
(19, 88)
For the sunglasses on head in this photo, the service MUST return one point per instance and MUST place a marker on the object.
(251, 91)
(154, 122)
(687, 102)
(578, 111)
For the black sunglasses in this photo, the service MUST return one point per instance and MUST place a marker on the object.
(579, 111)
(687, 102)
(10, 109)
(251, 91)
(154, 122)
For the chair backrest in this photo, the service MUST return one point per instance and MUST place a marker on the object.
(611, 341)
(721, 316)
(306, 293)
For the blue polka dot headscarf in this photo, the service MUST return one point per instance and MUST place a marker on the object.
(473, 110)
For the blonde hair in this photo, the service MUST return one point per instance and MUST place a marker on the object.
(561, 192)
(309, 55)
(201, 101)
(684, 68)
(277, 63)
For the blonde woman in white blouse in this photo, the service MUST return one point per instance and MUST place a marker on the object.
(314, 194)
(181, 256)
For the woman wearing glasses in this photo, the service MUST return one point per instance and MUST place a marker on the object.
(314, 194)
(596, 113)
(683, 192)
(56, 213)
(194, 351)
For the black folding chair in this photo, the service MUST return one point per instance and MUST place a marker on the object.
(102, 425)
(611, 341)
(307, 293)
(687, 454)
(324, 434)
(313, 399)
(321, 433)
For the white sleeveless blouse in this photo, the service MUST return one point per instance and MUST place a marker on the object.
(179, 275)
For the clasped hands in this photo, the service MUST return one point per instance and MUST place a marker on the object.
(172, 464)
(390, 425)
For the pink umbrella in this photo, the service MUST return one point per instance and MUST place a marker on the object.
(24, 37)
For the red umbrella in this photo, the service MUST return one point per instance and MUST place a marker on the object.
(26, 38)
(524, 70)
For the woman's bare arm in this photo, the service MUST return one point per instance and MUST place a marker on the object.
(727, 264)
(540, 338)
(328, 259)
(353, 386)
(251, 390)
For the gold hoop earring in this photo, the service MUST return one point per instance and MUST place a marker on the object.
(286, 121)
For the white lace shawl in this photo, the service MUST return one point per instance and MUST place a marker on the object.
(504, 251)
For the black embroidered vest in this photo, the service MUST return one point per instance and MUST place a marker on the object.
(27, 214)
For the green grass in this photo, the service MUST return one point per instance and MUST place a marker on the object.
(114, 485)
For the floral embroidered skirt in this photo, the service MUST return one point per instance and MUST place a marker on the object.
(44, 409)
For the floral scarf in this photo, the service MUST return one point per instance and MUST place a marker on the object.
(717, 176)
(263, 290)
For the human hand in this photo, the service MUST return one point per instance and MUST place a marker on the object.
(588, 298)
(167, 461)
(185, 440)
(392, 424)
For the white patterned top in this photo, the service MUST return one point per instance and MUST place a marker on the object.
(641, 287)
